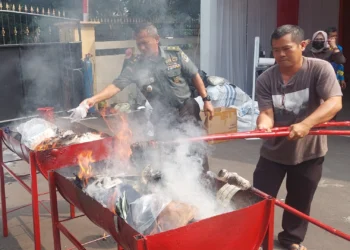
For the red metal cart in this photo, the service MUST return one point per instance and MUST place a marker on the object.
(255, 222)
(42, 161)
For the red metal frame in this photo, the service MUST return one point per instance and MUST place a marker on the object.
(275, 132)
(304, 216)
(45, 161)
(32, 190)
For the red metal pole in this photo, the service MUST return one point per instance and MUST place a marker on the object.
(54, 212)
(287, 12)
(21, 182)
(85, 10)
(3, 195)
(72, 239)
(269, 241)
(303, 216)
(72, 211)
(256, 134)
(35, 202)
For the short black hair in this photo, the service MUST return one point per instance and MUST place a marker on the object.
(151, 29)
(331, 30)
(296, 32)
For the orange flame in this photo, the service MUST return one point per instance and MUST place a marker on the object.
(121, 131)
(85, 159)
(124, 141)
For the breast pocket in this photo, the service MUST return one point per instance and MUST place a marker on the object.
(174, 72)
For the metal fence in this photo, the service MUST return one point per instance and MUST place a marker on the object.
(21, 24)
(121, 28)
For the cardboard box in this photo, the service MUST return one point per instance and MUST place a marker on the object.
(223, 122)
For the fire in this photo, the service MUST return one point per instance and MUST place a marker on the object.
(85, 159)
(124, 137)
(120, 128)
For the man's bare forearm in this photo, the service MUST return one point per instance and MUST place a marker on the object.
(106, 93)
(199, 85)
(265, 120)
(324, 112)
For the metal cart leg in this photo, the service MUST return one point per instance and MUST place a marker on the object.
(3, 196)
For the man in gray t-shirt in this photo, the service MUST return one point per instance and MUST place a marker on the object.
(300, 93)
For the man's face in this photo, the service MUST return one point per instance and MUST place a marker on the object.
(333, 35)
(287, 52)
(148, 45)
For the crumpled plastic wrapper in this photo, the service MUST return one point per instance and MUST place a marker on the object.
(79, 112)
(235, 179)
(35, 131)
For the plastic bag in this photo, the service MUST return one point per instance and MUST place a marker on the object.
(146, 210)
(35, 131)
(80, 112)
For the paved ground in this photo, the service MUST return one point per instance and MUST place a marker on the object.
(331, 204)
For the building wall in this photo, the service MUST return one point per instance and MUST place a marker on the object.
(228, 29)
(317, 15)
(344, 22)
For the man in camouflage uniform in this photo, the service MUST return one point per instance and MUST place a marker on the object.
(161, 73)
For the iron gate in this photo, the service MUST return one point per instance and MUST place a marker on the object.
(41, 64)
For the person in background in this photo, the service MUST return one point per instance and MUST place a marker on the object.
(298, 92)
(325, 49)
(332, 32)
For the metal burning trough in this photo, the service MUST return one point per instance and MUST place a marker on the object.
(251, 219)
(54, 154)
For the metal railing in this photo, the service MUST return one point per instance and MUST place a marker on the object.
(20, 24)
(121, 28)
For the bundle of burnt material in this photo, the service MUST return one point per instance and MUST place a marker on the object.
(66, 138)
(126, 196)
(39, 134)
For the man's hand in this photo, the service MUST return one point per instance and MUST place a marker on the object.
(264, 127)
(343, 84)
(208, 109)
(299, 130)
(90, 101)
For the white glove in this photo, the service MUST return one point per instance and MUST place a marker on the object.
(80, 112)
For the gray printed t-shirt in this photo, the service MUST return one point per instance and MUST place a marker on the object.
(314, 83)
(168, 76)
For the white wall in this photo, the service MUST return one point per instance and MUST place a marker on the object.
(228, 29)
(208, 36)
(317, 15)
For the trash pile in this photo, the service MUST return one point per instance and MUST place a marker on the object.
(140, 201)
(39, 134)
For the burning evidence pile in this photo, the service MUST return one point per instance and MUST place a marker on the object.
(151, 201)
(38, 134)
(154, 189)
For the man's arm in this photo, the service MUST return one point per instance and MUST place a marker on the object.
(202, 91)
(105, 94)
(123, 80)
(265, 120)
(328, 89)
(325, 112)
(190, 70)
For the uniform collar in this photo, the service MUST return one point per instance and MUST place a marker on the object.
(161, 52)
(160, 56)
